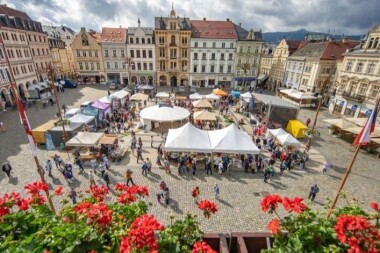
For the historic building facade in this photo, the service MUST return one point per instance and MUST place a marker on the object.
(88, 56)
(5, 84)
(213, 52)
(172, 38)
(358, 82)
(114, 50)
(141, 48)
(59, 56)
(248, 53)
(17, 31)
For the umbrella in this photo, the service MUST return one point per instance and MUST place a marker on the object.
(220, 92)
(204, 115)
(202, 104)
(139, 96)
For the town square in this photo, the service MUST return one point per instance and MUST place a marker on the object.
(194, 110)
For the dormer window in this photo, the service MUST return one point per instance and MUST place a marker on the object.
(173, 26)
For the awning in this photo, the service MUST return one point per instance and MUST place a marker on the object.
(139, 96)
(339, 102)
(366, 111)
(262, 78)
(352, 107)
(107, 140)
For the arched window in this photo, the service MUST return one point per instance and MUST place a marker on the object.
(148, 40)
(370, 43)
(172, 40)
(376, 43)
(131, 40)
(143, 40)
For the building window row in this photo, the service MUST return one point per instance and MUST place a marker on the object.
(368, 67)
(89, 65)
(137, 53)
(19, 70)
(87, 53)
(142, 66)
(212, 56)
(114, 53)
(202, 68)
(39, 52)
(213, 45)
(137, 40)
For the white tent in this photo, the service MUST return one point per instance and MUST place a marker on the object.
(164, 113)
(187, 139)
(195, 96)
(203, 103)
(139, 96)
(276, 132)
(120, 94)
(288, 140)
(106, 100)
(232, 140)
(212, 96)
(246, 95)
(228, 140)
(162, 95)
(80, 118)
(84, 139)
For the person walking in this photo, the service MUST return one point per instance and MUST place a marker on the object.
(159, 158)
(106, 178)
(149, 164)
(220, 168)
(58, 162)
(93, 164)
(151, 141)
(326, 166)
(128, 175)
(49, 167)
(102, 167)
(195, 193)
(229, 167)
(139, 154)
(79, 163)
(144, 169)
(302, 163)
(91, 178)
(216, 191)
(166, 196)
(194, 165)
(313, 192)
(167, 166)
(208, 166)
(73, 196)
(266, 175)
(140, 143)
(7, 168)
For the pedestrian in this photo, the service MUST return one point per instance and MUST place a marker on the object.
(313, 192)
(167, 166)
(167, 196)
(91, 178)
(302, 163)
(64, 108)
(229, 167)
(149, 164)
(106, 178)
(58, 161)
(151, 141)
(49, 167)
(79, 163)
(106, 162)
(195, 193)
(283, 166)
(73, 196)
(139, 154)
(308, 122)
(220, 168)
(194, 165)
(159, 158)
(216, 191)
(93, 164)
(326, 166)
(129, 177)
(140, 143)
(102, 167)
(144, 168)
(266, 175)
(7, 168)
(208, 166)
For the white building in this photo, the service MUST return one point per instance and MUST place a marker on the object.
(114, 50)
(141, 55)
(213, 52)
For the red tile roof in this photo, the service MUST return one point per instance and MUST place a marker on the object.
(114, 34)
(97, 36)
(293, 45)
(12, 12)
(335, 49)
(213, 29)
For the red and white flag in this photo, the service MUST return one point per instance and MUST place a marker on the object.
(25, 123)
(364, 136)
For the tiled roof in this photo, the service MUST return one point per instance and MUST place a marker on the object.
(161, 23)
(336, 49)
(97, 36)
(146, 30)
(12, 12)
(213, 29)
(114, 35)
(242, 33)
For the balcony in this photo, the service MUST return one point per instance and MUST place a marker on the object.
(173, 44)
(353, 97)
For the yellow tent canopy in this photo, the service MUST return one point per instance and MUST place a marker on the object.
(296, 128)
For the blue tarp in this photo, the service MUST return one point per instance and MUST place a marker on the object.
(235, 94)
(90, 111)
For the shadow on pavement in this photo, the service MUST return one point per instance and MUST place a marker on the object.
(225, 203)
(173, 204)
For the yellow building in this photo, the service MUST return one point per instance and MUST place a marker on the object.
(60, 57)
(88, 57)
(172, 35)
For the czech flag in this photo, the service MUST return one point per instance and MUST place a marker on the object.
(364, 136)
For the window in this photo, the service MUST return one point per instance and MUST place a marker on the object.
(221, 68)
(86, 64)
(214, 45)
(213, 56)
(150, 54)
(116, 65)
(137, 41)
(161, 40)
(370, 68)
(150, 66)
(143, 54)
(114, 53)
(229, 69)
(162, 65)
(98, 66)
(212, 68)
(195, 44)
(108, 65)
(204, 44)
(172, 26)
(349, 66)
(249, 49)
(148, 40)
(222, 56)
(143, 41)
(172, 40)
(203, 68)
(162, 52)
(89, 53)
(203, 56)
(374, 91)
(92, 66)
(173, 53)
(363, 89)
(184, 40)
(145, 66)
(122, 53)
(138, 53)
(173, 65)
(195, 56)
(231, 45)
(184, 53)
(359, 67)
(84, 53)
(131, 40)
(139, 66)
(241, 49)
(184, 65)
(195, 67)
(223, 45)
(230, 57)
(81, 66)
(106, 53)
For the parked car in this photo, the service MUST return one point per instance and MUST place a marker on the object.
(113, 85)
(67, 83)
(72, 112)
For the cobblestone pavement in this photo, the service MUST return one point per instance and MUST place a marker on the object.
(239, 204)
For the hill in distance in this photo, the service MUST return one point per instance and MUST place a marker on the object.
(275, 37)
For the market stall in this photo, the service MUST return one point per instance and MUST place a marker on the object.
(139, 97)
(39, 132)
(296, 128)
(204, 115)
(83, 119)
(276, 132)
(57, 132)
(220, 92)
(84, 139)
(289, 141)
(203, 104)
(196, 96)
(120, 97)
(298, 98)
(212, 96)
(162, 95)
(103, 108)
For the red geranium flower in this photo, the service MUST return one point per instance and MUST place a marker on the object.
(120, 187)
(59, 190)
(208, 207)
(202, 247)
(274, 226)
(36, 187)
(374, 206)
(36, 199)
(98, 213)
(128, 195)
(270, 203)
(295, 204)
(358, 233)
(98, 192)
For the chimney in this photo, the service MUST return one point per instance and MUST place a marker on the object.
(240, 24)
(228, 20)
(204, 19)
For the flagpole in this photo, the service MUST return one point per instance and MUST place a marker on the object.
(25, 123)
(342, 183)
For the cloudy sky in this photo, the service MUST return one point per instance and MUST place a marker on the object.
(351, 17)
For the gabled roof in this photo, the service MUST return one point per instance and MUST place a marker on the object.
(13, 12)
(293, 45)
(97, 36)
(161, 23)
(242, 33)
(146, 30)
(117, 35)
(213, 29)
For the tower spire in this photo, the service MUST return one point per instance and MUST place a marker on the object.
(138, 22)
